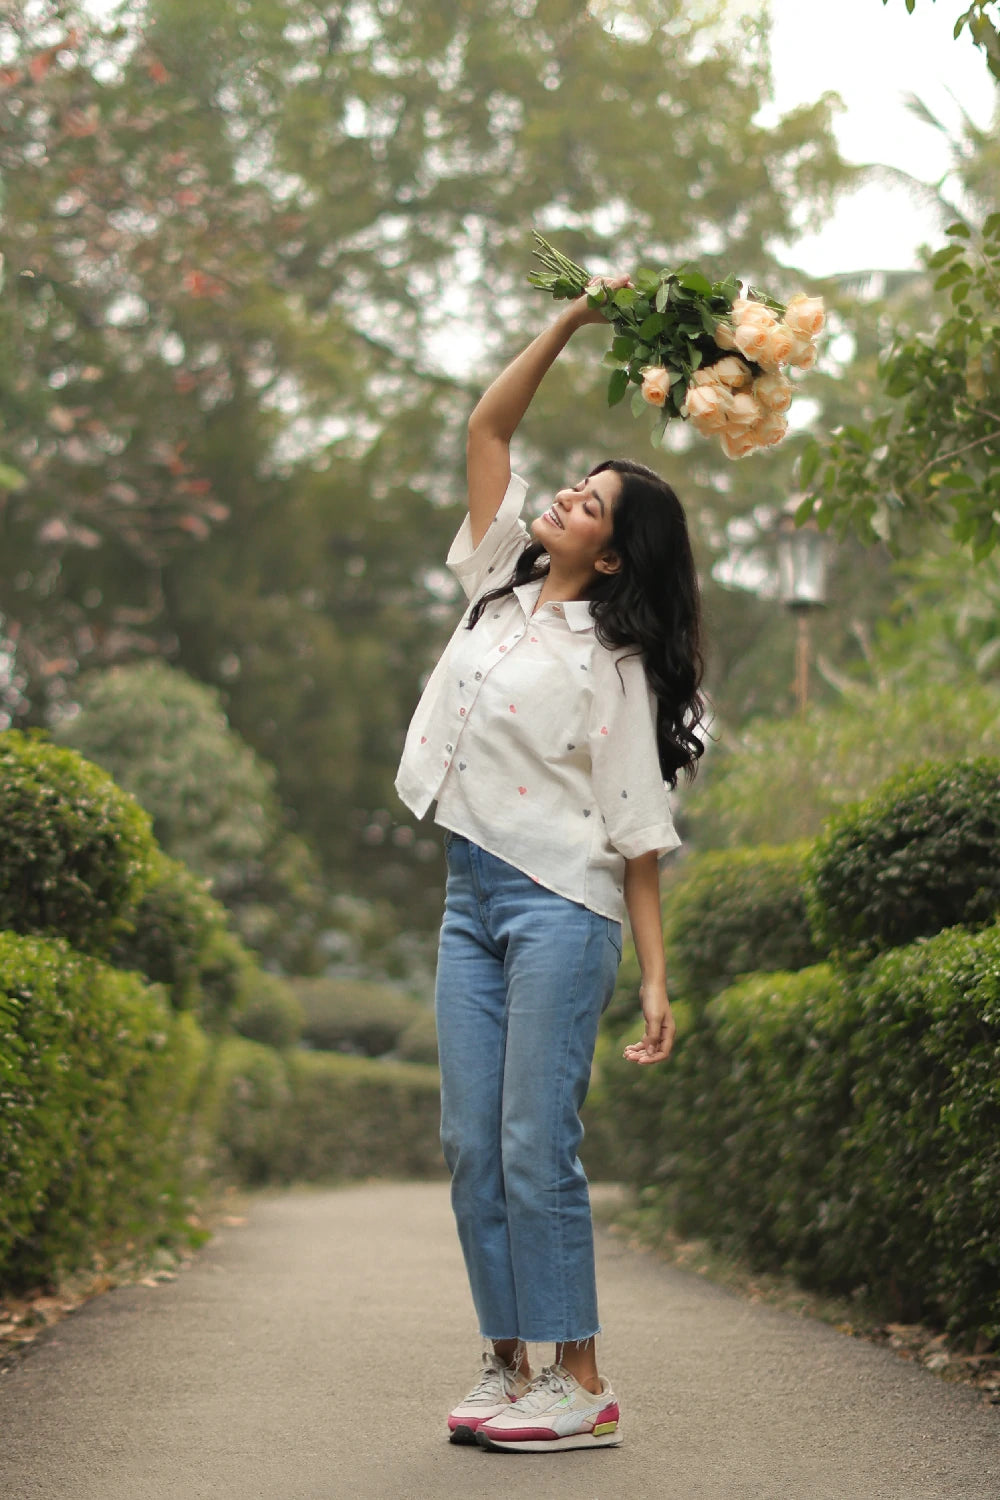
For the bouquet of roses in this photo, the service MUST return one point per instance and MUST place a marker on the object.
(697, 349)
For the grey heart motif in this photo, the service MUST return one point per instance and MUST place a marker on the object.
(570, 747)
(586, 812)
(461, 765)
(624, 794)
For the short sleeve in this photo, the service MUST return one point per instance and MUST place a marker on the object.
(492, 562)
(628, 784)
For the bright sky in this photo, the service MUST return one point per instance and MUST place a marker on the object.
(873, 56)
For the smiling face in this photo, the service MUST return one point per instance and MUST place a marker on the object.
(576, 529)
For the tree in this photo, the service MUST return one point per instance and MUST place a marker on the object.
(262, 225)
(931, 450)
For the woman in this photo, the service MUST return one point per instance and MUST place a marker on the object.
(567, 696)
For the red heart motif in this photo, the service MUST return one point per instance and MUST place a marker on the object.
(522, 790)
(512, 708)
(604, 729)
(423, 739)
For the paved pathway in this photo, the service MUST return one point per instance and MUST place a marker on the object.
(312, 1353)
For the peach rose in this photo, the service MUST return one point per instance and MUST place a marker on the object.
(724, 336)
(732, 372)
(780, 343)
(737, 444)
(803, 355)
(745, 311)
(773, 391)
(744, 412)
(752, 340)
(707, 407)
(655, 385)
(805, 315)
(771, 430)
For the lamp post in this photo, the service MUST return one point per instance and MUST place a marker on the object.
(802, 559)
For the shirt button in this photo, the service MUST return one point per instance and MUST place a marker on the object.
(503, 648)
(479, 676)
(557, 609)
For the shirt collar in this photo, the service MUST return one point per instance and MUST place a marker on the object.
(576, 612)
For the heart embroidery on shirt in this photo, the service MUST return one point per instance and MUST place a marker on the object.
(570, 747)
(604, 729)
(624, 794)
(423, 739)
(461, 765)
(586, 812)
(522, 790)
(534, 640)
(512, 708)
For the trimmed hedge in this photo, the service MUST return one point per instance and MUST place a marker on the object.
(736, 911)
(301, 1116)
(75, 850)
(178, 935)
(97, 1082)
(352, 1015)
(921, 855)
(845, 1131)
(269, 1011)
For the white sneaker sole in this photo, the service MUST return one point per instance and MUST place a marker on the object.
(552, 1445)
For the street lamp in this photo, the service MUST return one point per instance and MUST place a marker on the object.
(802, 559)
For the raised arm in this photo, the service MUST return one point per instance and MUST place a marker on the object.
(495, 418)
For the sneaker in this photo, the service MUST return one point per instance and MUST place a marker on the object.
(555, 1412)
(496, 1389)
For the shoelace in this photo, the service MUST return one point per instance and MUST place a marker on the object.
(494, 1379)
(547, 1383)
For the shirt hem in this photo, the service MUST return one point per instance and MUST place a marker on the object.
(612, 916)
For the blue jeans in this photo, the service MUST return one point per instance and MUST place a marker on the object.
(523, 976)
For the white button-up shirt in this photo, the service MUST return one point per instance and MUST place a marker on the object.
(538, 743)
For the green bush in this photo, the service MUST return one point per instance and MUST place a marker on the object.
(351, 1015)
(921, 855)
(845, 1131)
(97, 1084)
(418, 1042)
(75, 850)
(914, 1204)
(179, 936)
(736, 911)
(312, 1116)
(269, 1011)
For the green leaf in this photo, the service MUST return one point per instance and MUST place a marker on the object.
(610, 361)
(959, 231)
(991, 226)
(942, 257)
(639, 405)
(662, 296)
(617, 386)
(651, 326)
(809, 463)
(623, 347)
(694, 281)
(646, 280)
(625, 296)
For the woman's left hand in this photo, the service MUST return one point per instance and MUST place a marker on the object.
(582, 308)
(658, 1041)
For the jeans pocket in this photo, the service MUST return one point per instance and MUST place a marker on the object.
(615, 935)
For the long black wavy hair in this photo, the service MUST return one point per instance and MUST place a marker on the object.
(652, 603)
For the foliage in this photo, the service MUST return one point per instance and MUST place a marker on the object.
(982, 26)
(352, 1015)
(914, 1202)
(299, 1116)
(97, 1081)
(732, 912)
(269, 1011)
(921, 855)
(847, 1134)
(75, 850)
(779, 779)
(179, 936)
(166, 739)
(237, 288)
(418, 1041)
(936, 453)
